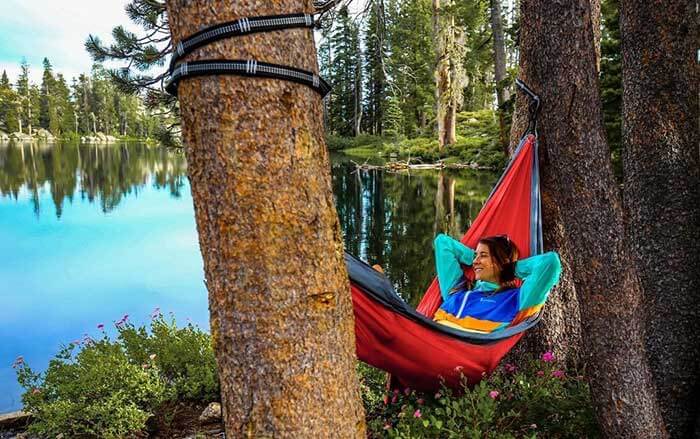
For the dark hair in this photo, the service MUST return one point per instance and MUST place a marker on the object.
(504, 254)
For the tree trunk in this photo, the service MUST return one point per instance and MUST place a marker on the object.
(499, 61)
(661, 192)
(445, 72)
(583, 212)
(280, 308)
(499, 52)
(595, 20)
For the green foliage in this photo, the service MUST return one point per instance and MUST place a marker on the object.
(106, 388)
(183, 356)
(477, 142)
(541, 400)
(611, 80)
(96, 392)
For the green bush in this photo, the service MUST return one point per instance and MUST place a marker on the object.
(541, 400)
(110, 388)
(96, 392)
(184, 356)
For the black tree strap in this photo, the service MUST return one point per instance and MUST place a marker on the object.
(245, 68)
(239, 27)
(179, 70)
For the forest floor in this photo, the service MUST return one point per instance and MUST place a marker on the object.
(477, 144)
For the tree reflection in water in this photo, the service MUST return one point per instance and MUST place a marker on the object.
(98, 173)
(391, 218)
(387, 218)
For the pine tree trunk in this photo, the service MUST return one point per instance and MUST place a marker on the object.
(499, 52)
(499, 61)
(582, 210)
(444, 33)
(280, 308)
(661, 192)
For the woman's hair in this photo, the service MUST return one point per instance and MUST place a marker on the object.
(504, 254)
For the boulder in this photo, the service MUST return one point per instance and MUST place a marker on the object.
(20, 137)
(211, 414)
(44, 135)
(4, 137)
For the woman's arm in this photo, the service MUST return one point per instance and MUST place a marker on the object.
(449, 253)
(539, 274)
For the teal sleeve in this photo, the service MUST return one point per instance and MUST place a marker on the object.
(449, 253)
(539, 274)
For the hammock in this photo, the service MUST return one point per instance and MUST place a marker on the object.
(407, 343)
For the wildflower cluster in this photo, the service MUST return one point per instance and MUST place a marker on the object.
(536, 399)
(99, 387)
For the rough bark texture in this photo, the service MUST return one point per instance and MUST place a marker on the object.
(281, 314)
(597, 31)
(662, 193)
(582, 209)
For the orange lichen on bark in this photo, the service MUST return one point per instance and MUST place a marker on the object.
(279, 300)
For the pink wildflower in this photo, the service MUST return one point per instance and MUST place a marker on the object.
(494, 394)
(540, 373)
(394, 399)
(420, 401)
(76, 342)
(558, 373)
(438, 395)
(387, 426)
(510, 368)
(396, 391)
(101, 326)
(547, 357)
(386, 399)
(459, 369)
(417, 414)
(407, 391)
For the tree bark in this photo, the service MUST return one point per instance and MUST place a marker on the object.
(661, 192)
(447, 85)
(280, 308)
(499, 62)
(499, 53)
(582, 209)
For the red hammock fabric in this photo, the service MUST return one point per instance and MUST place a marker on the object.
(421, 357)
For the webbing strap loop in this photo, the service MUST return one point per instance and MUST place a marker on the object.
(249, 67)
(180, 70)
(242, 26)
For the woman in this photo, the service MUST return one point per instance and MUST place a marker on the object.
(494, 301)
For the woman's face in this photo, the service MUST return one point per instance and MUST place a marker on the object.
(484, 267)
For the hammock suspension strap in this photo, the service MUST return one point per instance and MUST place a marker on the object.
(251, 67)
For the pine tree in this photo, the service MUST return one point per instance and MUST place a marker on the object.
(9, 106)
(344, 74)
(611, 80)
(47, 110)
(411, 62)
(375, 55)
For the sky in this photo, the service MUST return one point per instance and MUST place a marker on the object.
(57, 30)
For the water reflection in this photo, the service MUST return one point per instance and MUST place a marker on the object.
(391, 218)
(96, 173)
(104, 254)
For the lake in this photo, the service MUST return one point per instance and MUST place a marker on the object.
(90, 233)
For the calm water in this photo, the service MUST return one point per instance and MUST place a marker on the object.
(90, 233)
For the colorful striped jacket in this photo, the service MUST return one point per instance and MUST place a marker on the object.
(484, 308)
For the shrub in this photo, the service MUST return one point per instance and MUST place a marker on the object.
(110, 388)
(184, 356)
(540, 401)
(96, 392)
